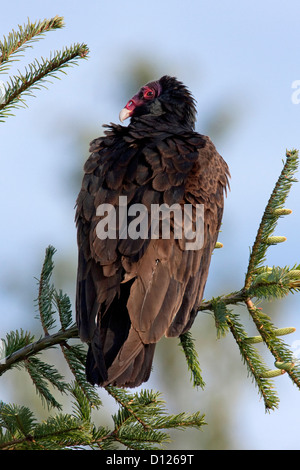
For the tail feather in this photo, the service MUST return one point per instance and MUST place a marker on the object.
(138, 370)
(116, 355)
(132, 372)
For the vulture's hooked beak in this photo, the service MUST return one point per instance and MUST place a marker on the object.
(124, 114)
(129, 108)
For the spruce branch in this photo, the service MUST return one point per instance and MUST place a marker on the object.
(16, 340)
(42, 373)
(275, 345)
(17, 41)
(255, 365)
(36, 73)
(140, 421)
(221, 315)
(64, 308)
(75, 357)
(46, 292)
(188, 347)
(23, 432)
(125, 400)
(271, 214)
(34, 347)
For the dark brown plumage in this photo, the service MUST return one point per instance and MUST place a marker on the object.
(131, 292)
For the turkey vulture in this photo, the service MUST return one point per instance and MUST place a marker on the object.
(132, 290)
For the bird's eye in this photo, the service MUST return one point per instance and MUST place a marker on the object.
(148, 94)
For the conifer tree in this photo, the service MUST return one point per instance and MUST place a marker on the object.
(141, 421)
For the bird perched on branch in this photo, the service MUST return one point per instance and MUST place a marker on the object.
(135, 285)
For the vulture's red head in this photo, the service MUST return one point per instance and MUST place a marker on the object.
(166, 97)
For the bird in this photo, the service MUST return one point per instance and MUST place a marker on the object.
(135, 288)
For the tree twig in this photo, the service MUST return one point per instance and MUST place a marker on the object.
(38, 346)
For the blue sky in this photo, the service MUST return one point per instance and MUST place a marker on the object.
(242, 57)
